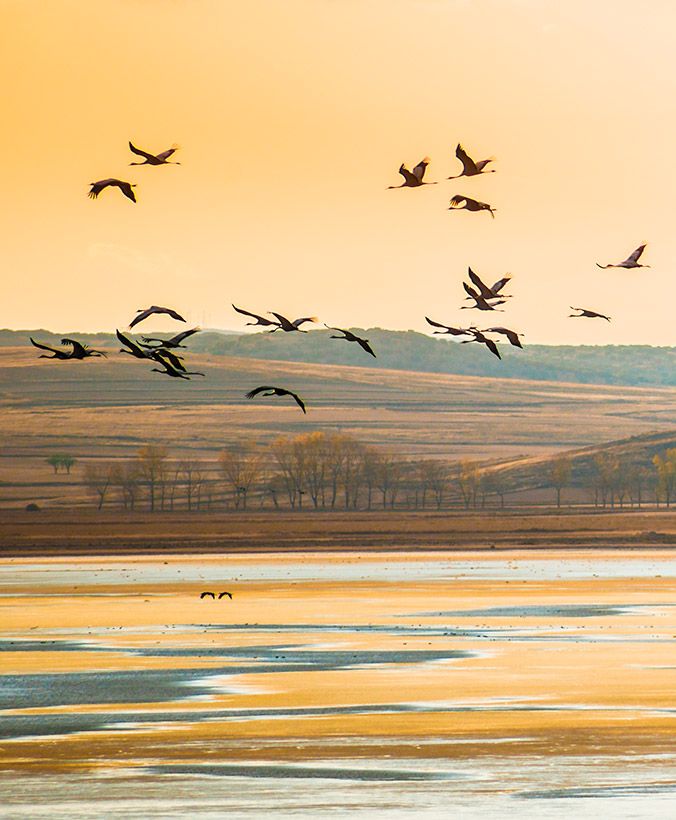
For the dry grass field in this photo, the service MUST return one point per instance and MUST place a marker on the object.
(108, 408)
(62, 532)
(119, 401)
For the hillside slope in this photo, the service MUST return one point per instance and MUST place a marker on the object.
(407, 350)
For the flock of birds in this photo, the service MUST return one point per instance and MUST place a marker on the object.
(163, 351)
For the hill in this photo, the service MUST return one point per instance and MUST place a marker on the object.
(408, 350)
(625, 457)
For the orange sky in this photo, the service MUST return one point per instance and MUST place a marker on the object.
(293, 117)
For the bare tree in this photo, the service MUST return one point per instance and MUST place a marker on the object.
(240, 467)
(468, 481)
(98, 478)
(559, 476)
(665, 465)
(152, 470)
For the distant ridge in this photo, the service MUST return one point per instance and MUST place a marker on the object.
(631, 365)
(534, 472)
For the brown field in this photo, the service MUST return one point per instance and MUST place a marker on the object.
(92, 532)
(109, 408)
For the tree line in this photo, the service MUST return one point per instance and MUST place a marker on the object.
(335, 471)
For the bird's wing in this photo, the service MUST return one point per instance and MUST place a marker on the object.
(419, 170)
(468, 165)
(283, 321)
(482, 163)
(184, 335)
(299, 322)
(457, 199)
(43, 347)
(172, 313)
(261, 319)
(97, 187)
(434, 324)
(636, 255)
(483, 288)
(297, 399)
(471, 292)
(139, 152)
(125, 341)
(78, 348)
(364, 344)
(257, 390)
(141, 316)
(490, 344)
(164, 356)
(127, 190)
(499, 285)
(166, 154)
(408, 176)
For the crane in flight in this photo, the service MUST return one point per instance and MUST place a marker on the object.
(479, 302)
(352, 337)
(153, 159)
(260, 320)
(414, 178)
(586, 314)
(125, 187)
(470, 205)
(630, 262)
(288, 326)
(175, 341)
(478, 336)
(143, 314)
(77, 350)
(451, 331)
(276, 391)
(169, 368)
(470, 168)
(492, 292)
(512, 335)
(80, 351)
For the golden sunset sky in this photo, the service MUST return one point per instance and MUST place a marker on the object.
(293, 117)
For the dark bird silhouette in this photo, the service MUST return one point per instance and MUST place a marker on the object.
(630, 262)
(80, 351)
(143, 314)
(470, 205)
(414, 178)
(586, 314)
(351, 337)
(163, 356)
(288, 326)
(276, 391)
(260, 320)
(479, 302)
(154, 159)
(499, 285)
(223, 594)
(512, 335)
(469, 167)
(208, 595)
(125, 187)
(175, 341)
(484, 290)
(452, 331)
(133, 349)
(479, 337)
(169, 369)
(58, 354)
